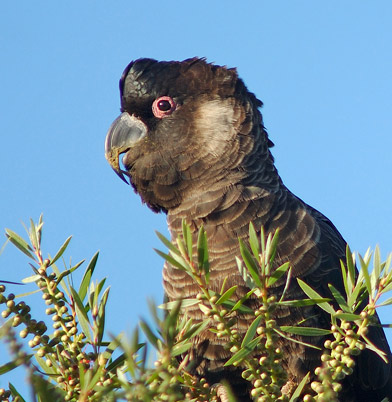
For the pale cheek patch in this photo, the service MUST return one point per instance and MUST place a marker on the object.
(215, 123)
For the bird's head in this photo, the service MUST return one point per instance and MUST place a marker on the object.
(184, 126)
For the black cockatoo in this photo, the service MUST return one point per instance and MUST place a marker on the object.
(194, 146)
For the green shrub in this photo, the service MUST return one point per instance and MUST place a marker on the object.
(77, 361)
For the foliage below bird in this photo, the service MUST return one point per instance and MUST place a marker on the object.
(195, 148)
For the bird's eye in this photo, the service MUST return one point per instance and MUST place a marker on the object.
(163, 107)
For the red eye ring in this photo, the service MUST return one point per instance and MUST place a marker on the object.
(163, 106)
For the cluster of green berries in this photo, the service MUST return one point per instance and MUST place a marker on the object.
(338, 359)
(67, 347)
(221, 318)
(20, 315)
(64, 350)
(200, 390)
(265, 371)
(267, 374)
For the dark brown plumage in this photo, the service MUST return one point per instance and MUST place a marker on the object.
(195, 147)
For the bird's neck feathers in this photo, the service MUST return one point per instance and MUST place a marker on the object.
(226, 194)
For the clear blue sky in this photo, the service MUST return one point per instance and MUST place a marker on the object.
(322, 69)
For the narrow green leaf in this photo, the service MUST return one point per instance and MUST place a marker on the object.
(100, 286)
(154, 312)
(33, 235)
(195, 329)
(61, 250)
(370, 345)
(181, 348)
(184, 324)
(17, 241)
(385, 290)
(286, 285)
(149, 333)
(278, 273)
(181, 246)
(92, 296)
(18, 296)
(244, 273)
(339, 298)
(355, 297)
(4, 245)
(303, 302)
(262, 240)
(346, 281)
(130, 346)
(185, 303)
(39, 227)
(386, 302)
(90, 377)
(5, 368)
(168, 243)
(365, 273)
(118, 362)
(347, 316)
(180, 260)
(254, 241)
(143, 352)
(227, 295)
(81, 314)
(250, 333)
(120, 375)
(186, 232)
(97, 375)
(299, 389)
(222, 289)
(33, 278)
(101, 314)
(87, 276)
(112, 346)
(350, 265)
(388, 262)
(250, 263)
(377, 266)
(44, 367)
(172, 317)
(68, 271)
(272, 247)
(153, 377)
(75, 267)
(312, 294)
(239, 304)
(84, 376)
(44, 390)
(283, 335)
(202, 253)
(306, 331)
(14, 393)
(243, 352)
(171, 260)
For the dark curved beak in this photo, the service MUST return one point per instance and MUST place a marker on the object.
(124, 132)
